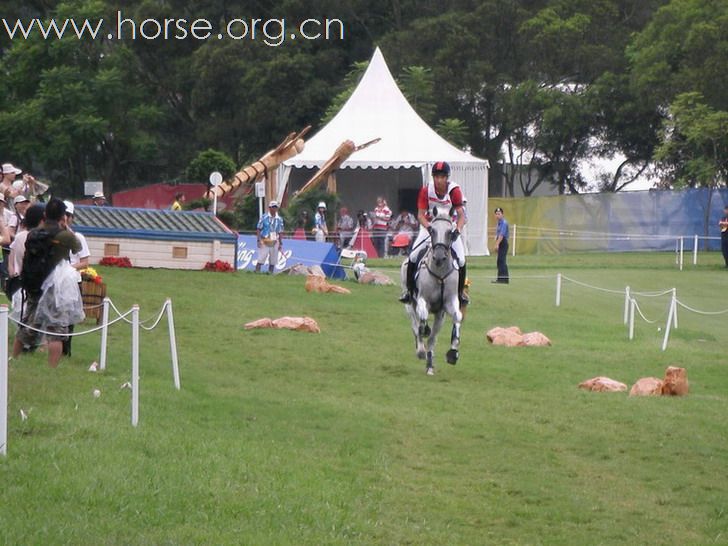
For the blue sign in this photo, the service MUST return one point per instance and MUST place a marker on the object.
(294, 252)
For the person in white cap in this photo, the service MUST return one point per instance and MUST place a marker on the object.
(320, 229)
(9, 173)
(99, 199)
(79, 261)
(269, 232)
(21, 204)
(5, 238)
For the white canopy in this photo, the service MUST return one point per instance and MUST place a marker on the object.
(378, 109)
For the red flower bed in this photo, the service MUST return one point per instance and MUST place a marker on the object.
(218, 265)
(116, 261)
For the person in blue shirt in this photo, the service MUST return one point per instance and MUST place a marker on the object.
(269, 232)
(501, 245)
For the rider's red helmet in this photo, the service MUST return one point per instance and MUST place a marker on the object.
(441, 167)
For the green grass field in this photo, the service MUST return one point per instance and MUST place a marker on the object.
(282, 437)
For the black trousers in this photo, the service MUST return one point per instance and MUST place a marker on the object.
(502, 266)
(724, 246)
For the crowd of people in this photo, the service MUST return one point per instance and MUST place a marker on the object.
(42, 259)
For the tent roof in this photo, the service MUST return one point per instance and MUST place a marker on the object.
(378, 109)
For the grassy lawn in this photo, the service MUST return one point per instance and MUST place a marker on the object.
(282, 437)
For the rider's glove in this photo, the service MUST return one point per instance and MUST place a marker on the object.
(455, 234)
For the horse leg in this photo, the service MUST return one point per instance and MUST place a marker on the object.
(416, 330)
(432, 339)
(457, 316)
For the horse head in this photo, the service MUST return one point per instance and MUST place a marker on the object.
(441, 240)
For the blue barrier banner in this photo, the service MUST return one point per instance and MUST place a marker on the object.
(294, 252)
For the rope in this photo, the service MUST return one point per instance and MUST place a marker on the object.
(96, 329)
(652, 294)
(620, 292)
(141, 323)
(637, 307)
(681, 304)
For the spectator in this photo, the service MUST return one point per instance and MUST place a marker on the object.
(723, 224)
(179, 198)
(29, 187)
(99, 199)
(320, 229)
(33, 217)
(501, 245)
(21, 204)
(269, 233)
(79, 260)
(5, 216)
(403, 227)
(345, 227)
(380, 224)
(303, 223)
(9, 174)
(59, 303)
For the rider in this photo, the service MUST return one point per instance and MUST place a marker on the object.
(443, 194)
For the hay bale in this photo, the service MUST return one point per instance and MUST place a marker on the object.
(602, 384)
(647, 386)
(675, 382)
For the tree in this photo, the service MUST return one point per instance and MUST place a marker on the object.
(207, 162)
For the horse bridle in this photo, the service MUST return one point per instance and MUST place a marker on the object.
(447, 251)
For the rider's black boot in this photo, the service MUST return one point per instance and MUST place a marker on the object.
(406, 296)
(464, 299)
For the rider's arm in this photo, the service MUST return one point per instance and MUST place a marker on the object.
(460, 218)
(422, 217)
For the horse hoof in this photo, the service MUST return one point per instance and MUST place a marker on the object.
(421, 354)
(452, 356)
(430, 371)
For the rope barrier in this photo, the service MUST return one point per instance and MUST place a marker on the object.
(639, 311)
(681, 304)
(620, 292)
(69, 334)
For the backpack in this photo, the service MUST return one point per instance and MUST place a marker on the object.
(37, 260)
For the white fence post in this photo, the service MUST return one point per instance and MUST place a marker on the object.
(631, 318)
(172, 343)
(674, 305)
(558, 289)
(3, 380)
(669, 322)
(513, 239)
(626, 304)
(104, 333)
(682, 247)
(695, 250)
(135, 365)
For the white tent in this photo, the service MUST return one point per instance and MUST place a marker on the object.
(398, 165)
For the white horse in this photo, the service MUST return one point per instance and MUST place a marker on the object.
(437, 293)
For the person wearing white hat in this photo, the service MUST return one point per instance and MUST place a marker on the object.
(79, 261)
(99, 199)
(5, 238)
(269, 232)
(9, 173)
(320, 229)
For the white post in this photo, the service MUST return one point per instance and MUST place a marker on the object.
(674, 305)
(631, 318)
(695, 250)
(104, 333)
(172, 343)
(513, 239)
(214, 204)
(667, 326)
(134, 365)
(677, 251)
(3, 380)
(558, 289)
(626, 304)
(682, 245)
